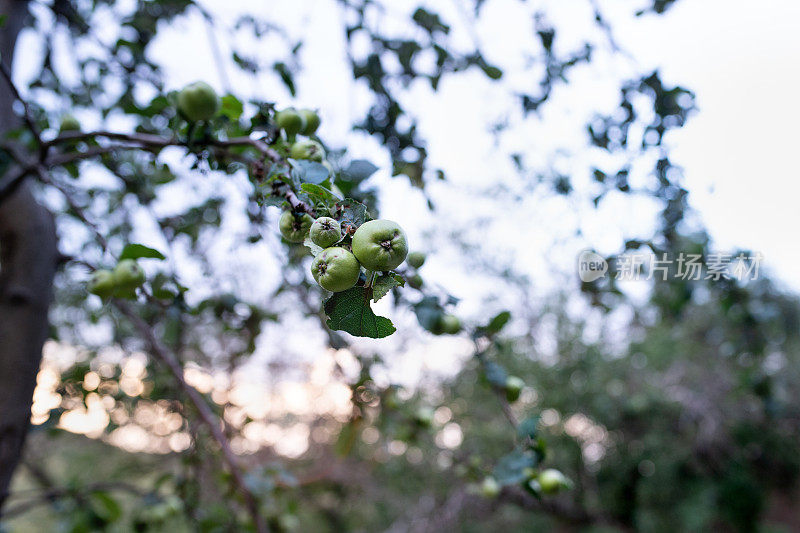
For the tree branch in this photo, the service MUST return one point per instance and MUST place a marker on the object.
(27, 115)
(206, 415)
(50, 495)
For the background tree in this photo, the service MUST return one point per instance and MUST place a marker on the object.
(134, 170)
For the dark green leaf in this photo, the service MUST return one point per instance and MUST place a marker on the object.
(350, 311)
(384, 284)
(105, 506)
(286, 76)
(350, 212)
(510, 469)
(428, 312)
(323, 194)
(140, 251)
(495, 374)
(347, 437)
(527, 428)
(232, 107)
(498, 322)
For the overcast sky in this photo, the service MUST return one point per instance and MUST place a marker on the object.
(740, 58)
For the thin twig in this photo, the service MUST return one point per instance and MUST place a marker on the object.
(215, 49)
(504, 405)
(78, 210)
(28, 115)
(49, 495)
(206, 415)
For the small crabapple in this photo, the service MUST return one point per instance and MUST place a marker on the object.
(102, 283)
(335, 269)
(312, 121)
(450, 324)
(415, 259)
(290, 121)
(128, 274)
(551, 481)
(325, 232)
(308, 149)
(198, 101)
(293, 228)
(380, 245)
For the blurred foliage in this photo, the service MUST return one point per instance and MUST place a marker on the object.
(684, 421)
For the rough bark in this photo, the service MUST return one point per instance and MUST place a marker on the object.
(28, 258)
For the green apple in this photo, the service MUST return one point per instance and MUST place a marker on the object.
(198, 101)
(424, 417)
(325, 232)
(490, 488)
(128, 274)
(69, 123)
(290, 121)
(293, 228)
(380, 245)
(308, 149)
(450, 324)
(416, 259)
(416, 281)
(312, 121)
(102, 283)
(288, 522)
(551, 481)
(514, 387)
(335, 269)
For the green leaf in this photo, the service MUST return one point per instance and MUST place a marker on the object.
(232, 107)
(384, 284)
(347, 437)
(359, 170)
(350, 311)
(315, 249)
(491, 71)
(140, 251)
(286, 76)
(495, 374)
(510, 469)
(351, 212)
(310, 171)
(527, 428)
(428, 312)
(498, 322)
(325, 196)
(105, 506)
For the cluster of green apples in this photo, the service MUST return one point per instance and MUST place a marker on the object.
(377, 245)
(199, 101)
(303, 122)
(547, 482)
(125, 277)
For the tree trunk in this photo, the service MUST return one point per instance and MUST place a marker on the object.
(28, 257)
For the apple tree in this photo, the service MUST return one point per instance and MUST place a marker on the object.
(155, 191)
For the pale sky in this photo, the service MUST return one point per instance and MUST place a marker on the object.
(739, 57)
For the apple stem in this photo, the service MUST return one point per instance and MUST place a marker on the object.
(371, 278)
(190, 134)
